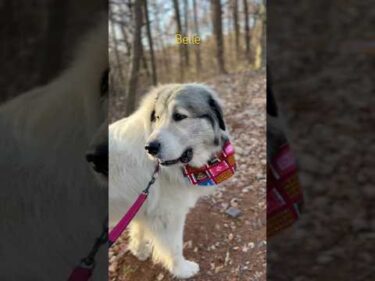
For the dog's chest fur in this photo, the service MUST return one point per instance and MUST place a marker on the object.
(177, 192)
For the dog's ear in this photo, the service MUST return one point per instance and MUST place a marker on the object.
(217, 111)
(152, 116)
(147, 108)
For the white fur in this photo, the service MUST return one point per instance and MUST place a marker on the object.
(157, 229)
(45, 179)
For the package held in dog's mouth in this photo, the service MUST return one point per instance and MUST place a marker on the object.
(284, 193)
(217, 170)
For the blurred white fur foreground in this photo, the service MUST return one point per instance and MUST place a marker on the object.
(47, 188)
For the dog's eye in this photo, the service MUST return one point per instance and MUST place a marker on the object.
(178, 116)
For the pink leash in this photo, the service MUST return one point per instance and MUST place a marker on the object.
(124, 222)
(130, 214)
(84, 270)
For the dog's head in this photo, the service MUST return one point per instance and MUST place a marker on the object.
(185, 124)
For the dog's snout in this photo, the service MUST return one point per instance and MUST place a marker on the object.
(98, 157)
(153, 147)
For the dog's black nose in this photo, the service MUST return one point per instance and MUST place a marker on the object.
(98, 157)
(153, 147)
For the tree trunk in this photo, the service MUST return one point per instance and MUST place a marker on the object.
(198, 58)
(247, 30)
(179, 30)
(236, 28)
(144, 62)
(118, 67)
(125, 37)
(260, 32)
(264, 35)
(136, 56)
(150, 43)
(161, 38)
(218, 32)
(165, 57)
(186, 31)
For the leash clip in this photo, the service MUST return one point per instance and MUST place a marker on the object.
(154, 176)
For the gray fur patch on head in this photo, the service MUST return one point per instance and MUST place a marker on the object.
(203, 102)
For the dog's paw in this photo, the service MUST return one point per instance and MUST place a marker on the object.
(142, 252)
(185, 269)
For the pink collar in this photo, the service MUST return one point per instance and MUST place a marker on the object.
(217, 170)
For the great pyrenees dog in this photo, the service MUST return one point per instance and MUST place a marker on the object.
(52, 208)
(175, 124)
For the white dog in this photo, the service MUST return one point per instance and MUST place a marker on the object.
(175, 124)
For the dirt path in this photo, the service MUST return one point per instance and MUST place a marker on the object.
(227, 249)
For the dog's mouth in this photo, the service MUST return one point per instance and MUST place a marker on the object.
(185, 158)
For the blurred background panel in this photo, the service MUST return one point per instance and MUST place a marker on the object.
(52, 207)
(321, 57)
(38, 39)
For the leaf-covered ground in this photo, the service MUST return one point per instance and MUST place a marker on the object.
(226, 248)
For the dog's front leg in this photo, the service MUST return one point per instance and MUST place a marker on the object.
(138, 244)
(168, 247)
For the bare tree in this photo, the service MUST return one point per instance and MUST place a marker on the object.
(218, 32)
(126, 17)
(247, 30)
(179, 30)
(118, 68)
(236, 27)
(144, 61)
(259, 38)
(125, 38)
(161, 35)
(150, 43)
(136, 56)
(264, 34)
(186, 31)
(198, 58)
